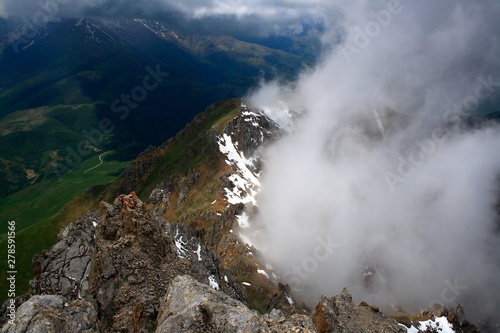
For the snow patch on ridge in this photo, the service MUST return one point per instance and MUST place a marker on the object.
(158, 28)
(198, 252)
(263, 272)
(243, 220)
(246, 183)
(439, 324)
(213, 283)
(179, 244)
(251, 117)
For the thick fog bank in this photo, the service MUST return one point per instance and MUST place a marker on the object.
(386, 184)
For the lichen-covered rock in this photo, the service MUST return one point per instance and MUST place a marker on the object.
(9, 307)
(53, 314)
(194, 307)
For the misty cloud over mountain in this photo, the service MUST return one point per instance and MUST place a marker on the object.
(240, 17)
(387, 183)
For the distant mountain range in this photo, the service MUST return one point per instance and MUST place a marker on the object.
(73, 89)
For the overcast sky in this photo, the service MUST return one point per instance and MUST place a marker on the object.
(257, 16)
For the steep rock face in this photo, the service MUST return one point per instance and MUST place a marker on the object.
(129, 251)
(284, 300)
(204, 263)
(65, 268)
(120, 261)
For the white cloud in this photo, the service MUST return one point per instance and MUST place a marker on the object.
(405, 65)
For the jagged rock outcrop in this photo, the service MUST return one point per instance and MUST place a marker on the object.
(252, 130)
(65, 268)
(203, 262)
(456, 317)
(121, 262)
(159, 197)
(338, 314)
(136, 257)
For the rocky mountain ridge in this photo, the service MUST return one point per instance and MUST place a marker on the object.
(176, 262)
(141, 276)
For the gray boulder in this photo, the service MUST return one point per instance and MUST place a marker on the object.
(190, 306)
(53, 314)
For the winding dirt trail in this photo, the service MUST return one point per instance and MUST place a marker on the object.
(100, 159)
